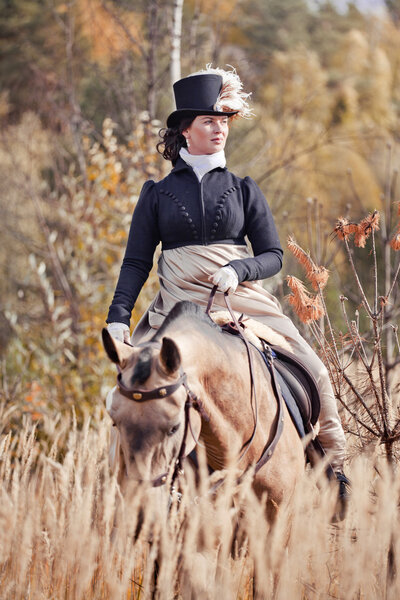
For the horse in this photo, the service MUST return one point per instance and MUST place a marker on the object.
(188, 384)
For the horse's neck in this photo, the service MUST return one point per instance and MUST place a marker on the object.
(220, 378)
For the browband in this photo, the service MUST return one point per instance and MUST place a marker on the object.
(142, 395)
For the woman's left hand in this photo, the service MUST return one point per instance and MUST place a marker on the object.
(226, 279)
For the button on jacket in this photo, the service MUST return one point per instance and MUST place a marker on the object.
(181, 211)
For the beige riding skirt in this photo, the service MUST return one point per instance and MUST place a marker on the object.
(184, 275)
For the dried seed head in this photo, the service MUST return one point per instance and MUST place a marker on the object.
(361, 230)
(365, 228)
(360, 238)
(395, 242)
(307, 307)
(318, 276)
(343, 228)
(302, 256)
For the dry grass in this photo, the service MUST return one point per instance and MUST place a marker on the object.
(66, 532)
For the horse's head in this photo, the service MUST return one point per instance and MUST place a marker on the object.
(149, 407)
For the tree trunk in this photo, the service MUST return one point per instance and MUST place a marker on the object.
(176, 41)
(151, 58)
(193, 42)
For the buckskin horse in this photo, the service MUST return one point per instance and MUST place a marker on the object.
(191, 382)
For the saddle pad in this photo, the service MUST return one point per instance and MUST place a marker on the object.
(289, 398)
(291, 404)
(301, 382)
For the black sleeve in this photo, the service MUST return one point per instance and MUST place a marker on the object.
(262, 235)
(138, 260)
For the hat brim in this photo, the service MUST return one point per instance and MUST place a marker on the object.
(176, 117)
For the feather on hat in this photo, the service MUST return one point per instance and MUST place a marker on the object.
(209, 92)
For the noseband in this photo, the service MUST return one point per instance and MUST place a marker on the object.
(140, 395)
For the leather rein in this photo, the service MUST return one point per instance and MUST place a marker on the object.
(140, 395)
(270, 447)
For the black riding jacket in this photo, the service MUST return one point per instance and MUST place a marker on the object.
(181, 211)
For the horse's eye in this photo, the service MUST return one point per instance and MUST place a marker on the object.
(173, 429)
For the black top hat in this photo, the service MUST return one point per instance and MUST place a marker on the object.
(197, 95)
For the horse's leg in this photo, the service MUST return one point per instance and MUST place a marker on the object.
(156, 572)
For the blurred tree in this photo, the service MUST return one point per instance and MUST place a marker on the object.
(32, 55)
(69, 240)
(393, 7)
(95, 75)
(271, 26)
(327, 27)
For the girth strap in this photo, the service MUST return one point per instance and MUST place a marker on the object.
(269, 449)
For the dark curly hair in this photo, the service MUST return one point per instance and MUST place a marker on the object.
(172, 140)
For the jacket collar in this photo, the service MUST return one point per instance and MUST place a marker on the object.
(181, 165)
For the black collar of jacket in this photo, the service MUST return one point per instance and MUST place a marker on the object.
(181, 164)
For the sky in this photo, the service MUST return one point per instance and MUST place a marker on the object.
(367, 5)
(376, 6)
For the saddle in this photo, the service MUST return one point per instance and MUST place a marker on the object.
(292, 382)
(301, 395)
(299, 390)
(297, 384)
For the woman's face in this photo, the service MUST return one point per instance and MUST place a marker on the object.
(207, 134)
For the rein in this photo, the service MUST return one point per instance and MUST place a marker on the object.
(253, 394)
(270, 447)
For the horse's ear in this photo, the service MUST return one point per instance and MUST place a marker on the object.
(117, 351)
(169, 355)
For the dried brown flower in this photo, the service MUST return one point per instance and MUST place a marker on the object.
(365, 227)
(302, 256)
(361, 230)
(395, 242)
(307, 307)
(343, 228)
(360, 238)
(318, 276)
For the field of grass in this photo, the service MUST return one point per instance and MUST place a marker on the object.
(67, 532)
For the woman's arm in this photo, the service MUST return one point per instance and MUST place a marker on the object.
(138, 260)
(262, 235)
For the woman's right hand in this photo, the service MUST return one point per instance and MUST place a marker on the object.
(119, 331)
(225, 279)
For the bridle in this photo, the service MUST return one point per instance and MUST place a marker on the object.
(192, 401)
(143, 395)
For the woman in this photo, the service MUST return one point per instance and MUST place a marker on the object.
(201, 213)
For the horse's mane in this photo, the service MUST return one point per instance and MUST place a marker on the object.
(187, 309)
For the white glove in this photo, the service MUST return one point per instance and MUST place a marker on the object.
(226, 279)
(119, 331)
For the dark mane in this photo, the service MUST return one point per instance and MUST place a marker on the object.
(185, 308)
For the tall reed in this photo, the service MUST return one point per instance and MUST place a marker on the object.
(67, 532)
